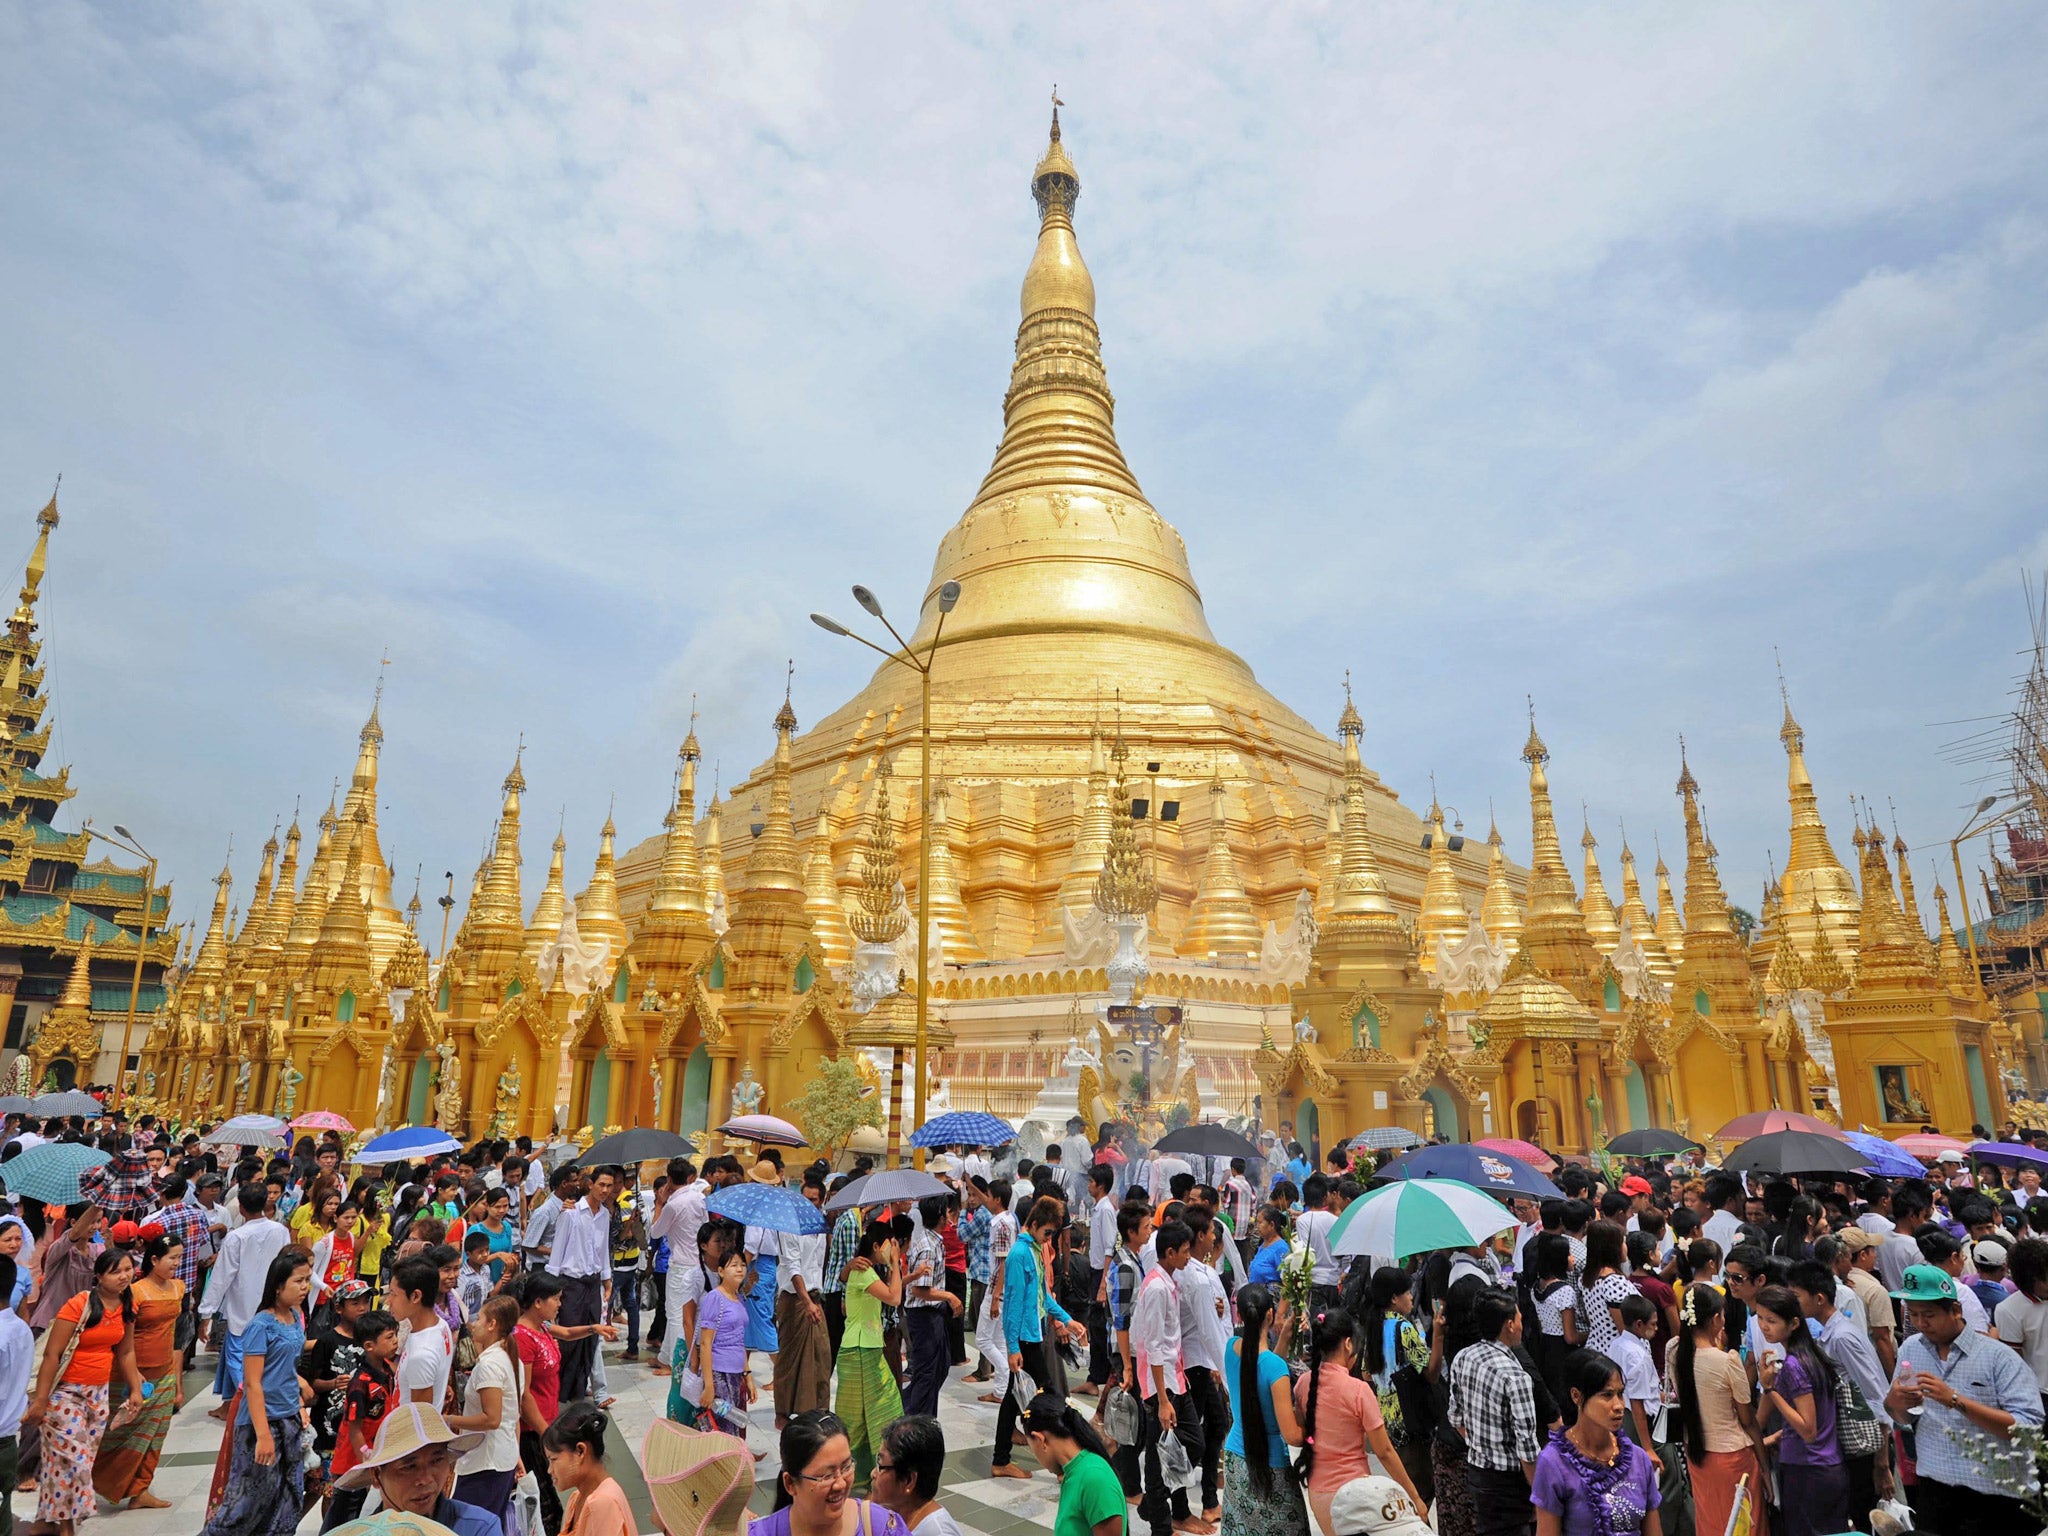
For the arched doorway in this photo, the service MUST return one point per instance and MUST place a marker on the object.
(1444, 1110)
(696, 1107)
(1639, 1117)
(419, 1091)
(598, 1099)
(1308, 1130)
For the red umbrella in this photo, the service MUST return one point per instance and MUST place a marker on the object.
(1928, 1145)
(1766, 1121)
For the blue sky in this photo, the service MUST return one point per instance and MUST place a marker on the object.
(576, 354)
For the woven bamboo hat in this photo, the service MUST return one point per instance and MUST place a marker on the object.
(699, 1481)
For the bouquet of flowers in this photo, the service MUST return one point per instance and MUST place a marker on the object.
(1296, 1270)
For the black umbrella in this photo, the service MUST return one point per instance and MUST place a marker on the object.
(1206, 1141)
(1795, 1152)
(1651, 1143)
(641, 1145)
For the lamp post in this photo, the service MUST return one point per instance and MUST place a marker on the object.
(949, 594)
(1971, 828)
(126, 842)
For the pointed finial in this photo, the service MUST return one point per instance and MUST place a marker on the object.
(1533, 750)
(1056, 105)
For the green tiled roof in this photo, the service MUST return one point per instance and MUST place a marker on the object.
(112, 997)
(45, 833)
(27, 908)
(104, 880)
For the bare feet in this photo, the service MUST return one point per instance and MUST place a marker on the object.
(220, 1412)
(1212, 1516)
(1087, 1389)
(1006, 1470)
(1193, 1527)
(990, 1397)
(148, 1500)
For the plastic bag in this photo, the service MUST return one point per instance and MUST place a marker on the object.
(1023, 1389)
(1891, 1517)
(1174, 1464)
(526, 1507)
(1120, 1415)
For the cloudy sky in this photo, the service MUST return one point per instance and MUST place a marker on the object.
(575, 354)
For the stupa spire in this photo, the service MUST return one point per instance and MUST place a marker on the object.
(711, 852)
(774, 862)
(876, 918)
(1635, 912)
(1221, 922)
(1670, 922)
(284, 895)
(597, 909)
(950, 922)
(374, 879)
(345, 928)
(502, 910)
(1814, 879)
(679, 887)
(1091, 834)
(545, 926)
(1554, 937)
(22, 625)
(77, 994)
(210, 968)
(1443, 913)
(1602, 924)
(1361, 890)
(821, 889)
(1125, 887)
(259, 903)
(312, 907)
(1915, 928)
(1500, 914)
(1956, 975)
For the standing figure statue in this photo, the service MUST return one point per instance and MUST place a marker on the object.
(242, 1085)
(506, 1109)
(387, 1091)
(288, 1092)
(747, 1094)
(206, 1084)
(448, 1100)
(657, 1100)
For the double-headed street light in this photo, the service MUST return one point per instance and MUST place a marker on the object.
(949, 594)
(125, 840)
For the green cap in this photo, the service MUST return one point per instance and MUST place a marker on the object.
(1926, 1283)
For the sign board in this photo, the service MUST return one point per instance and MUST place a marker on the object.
(1161, 1016)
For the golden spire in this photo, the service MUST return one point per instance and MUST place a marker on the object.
(1814, 879)
(545, 926)
(23, 623)
(77, 994)
(876, 917)
(312, 906)
(1955, 967)
(1221, 923)
(386, 928)
(711, 853)
(679, 886)
(210, 968)
(1443, 904)
(284, 896)
(1915, 929)
(821, 889)
(1670, 924)
(1091, 833)
(1887, 959)
(1361, 892)
(501, 909)
(1555, 935)
(1500, 914)
(949, 921)
(259, 904)
(345, 928)
(1706, 904)
(1602, 925)
(1642, 927)
(1333, 854)
(1125, 887)
(597, 909)
(774, 863)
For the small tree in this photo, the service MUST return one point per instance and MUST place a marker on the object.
(832, 1108)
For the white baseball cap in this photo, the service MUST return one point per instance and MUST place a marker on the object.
(1988, 1253)
(1375, 1506)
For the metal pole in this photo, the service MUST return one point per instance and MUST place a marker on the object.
(924, 886)
(135, 983)
(1963, 896)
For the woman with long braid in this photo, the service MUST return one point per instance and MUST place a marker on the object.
(1341, 1417)
(1714, 1408)
(1261, 1491)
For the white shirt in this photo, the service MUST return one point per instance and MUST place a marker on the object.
(974, 1165)
(1164, 1171)
(1202, 1331)
(802, 1256)
(1156, 1333)
(937, 1523)
(1101, 1232)
(1314, 1227)
(17, 1358)
(236, 1288)
(583, 1242)
(1638, 1371)
(1725, 1228)
(540, 1225)
(536, 1177)
(2023, 1324)
(1875, 1225)
(499, 1449)
(425, 1361)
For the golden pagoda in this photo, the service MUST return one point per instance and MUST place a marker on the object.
(1603, 926)
(1554, 935)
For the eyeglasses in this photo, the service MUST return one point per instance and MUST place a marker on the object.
(886, 1466)
(843, 1473)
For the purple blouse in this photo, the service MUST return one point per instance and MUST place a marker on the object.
(727, 1320)
(1823, 1450)
(878, 1522)
(1562, 1489)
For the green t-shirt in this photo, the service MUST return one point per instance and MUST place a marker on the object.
(863, 1312)
(1089, 1494)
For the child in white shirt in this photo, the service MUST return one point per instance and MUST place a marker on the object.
(1631, 1351)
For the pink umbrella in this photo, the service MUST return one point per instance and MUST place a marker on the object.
(1528, 1152)
(764, 1130)
(1763, 1122)
(323, 1120)
(1928, 1145)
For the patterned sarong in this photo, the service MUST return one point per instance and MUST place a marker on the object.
(260, 1500)
(869, 1402)
(129, 1452)
(71, 1433)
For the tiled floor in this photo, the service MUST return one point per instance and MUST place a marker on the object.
(982, 1504)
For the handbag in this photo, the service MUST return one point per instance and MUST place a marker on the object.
(1856, 1428)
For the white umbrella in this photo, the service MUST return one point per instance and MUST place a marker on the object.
(1418, 1216)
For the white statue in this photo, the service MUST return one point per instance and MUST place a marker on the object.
(578, 963)
(906, 942)
(877, 974)
(1284, 956)
(1633, 967)
(747, 1093)
(657, 1100)
(1473, 963)
(1031, 1141)
(1305, 1031)
(719, 921)
(242, 1074)
(448, 1101)
(1089, 938)
(1131, 963)
(288, 1096)
(387, 1091)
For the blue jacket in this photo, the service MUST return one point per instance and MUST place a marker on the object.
(1023, 1291)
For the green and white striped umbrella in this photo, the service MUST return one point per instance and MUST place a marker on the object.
(1418, 1216)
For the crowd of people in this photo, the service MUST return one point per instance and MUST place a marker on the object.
(1645, 1352)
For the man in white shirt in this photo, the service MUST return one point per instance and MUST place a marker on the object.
(1164, 1169)
(988, 1327)
(427, 1350)
(1162, 1381)
(582, 1257)
(680, 1219)
(1204, 1328)
(1077, 1156)
(974, 1165)
(1313, 1227)
(803, 1355)
(2027, 1186)
(1724, 1224)
(236, 1288)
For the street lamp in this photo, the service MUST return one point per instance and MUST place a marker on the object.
(949, 595)
(125, 840)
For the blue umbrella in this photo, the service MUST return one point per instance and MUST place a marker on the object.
(773, 1206)
(408, 1142)
(964, 1128)
(1482, 1168)
(1885, 1160)
(2005, 1154)
(50, 1172)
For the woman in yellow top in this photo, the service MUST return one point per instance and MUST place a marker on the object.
(869, 1398)
(73, 1408)
(128, 1454)
(373, 1234)
(314, 1217)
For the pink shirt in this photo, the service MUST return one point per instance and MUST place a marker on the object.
(1347, 1409)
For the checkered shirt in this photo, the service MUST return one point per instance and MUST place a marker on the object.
(974, 1232)
(841, 1250)
(927, 1267)
(1124, 1278)
(1494, 1407)
(1983, 1370)
(186, 1223)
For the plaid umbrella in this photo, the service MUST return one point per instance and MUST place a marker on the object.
(963, 1127)
(50, 1172)
(1381, 1137)
(120, 1187)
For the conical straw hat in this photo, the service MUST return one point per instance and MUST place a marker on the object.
(700, 1481)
